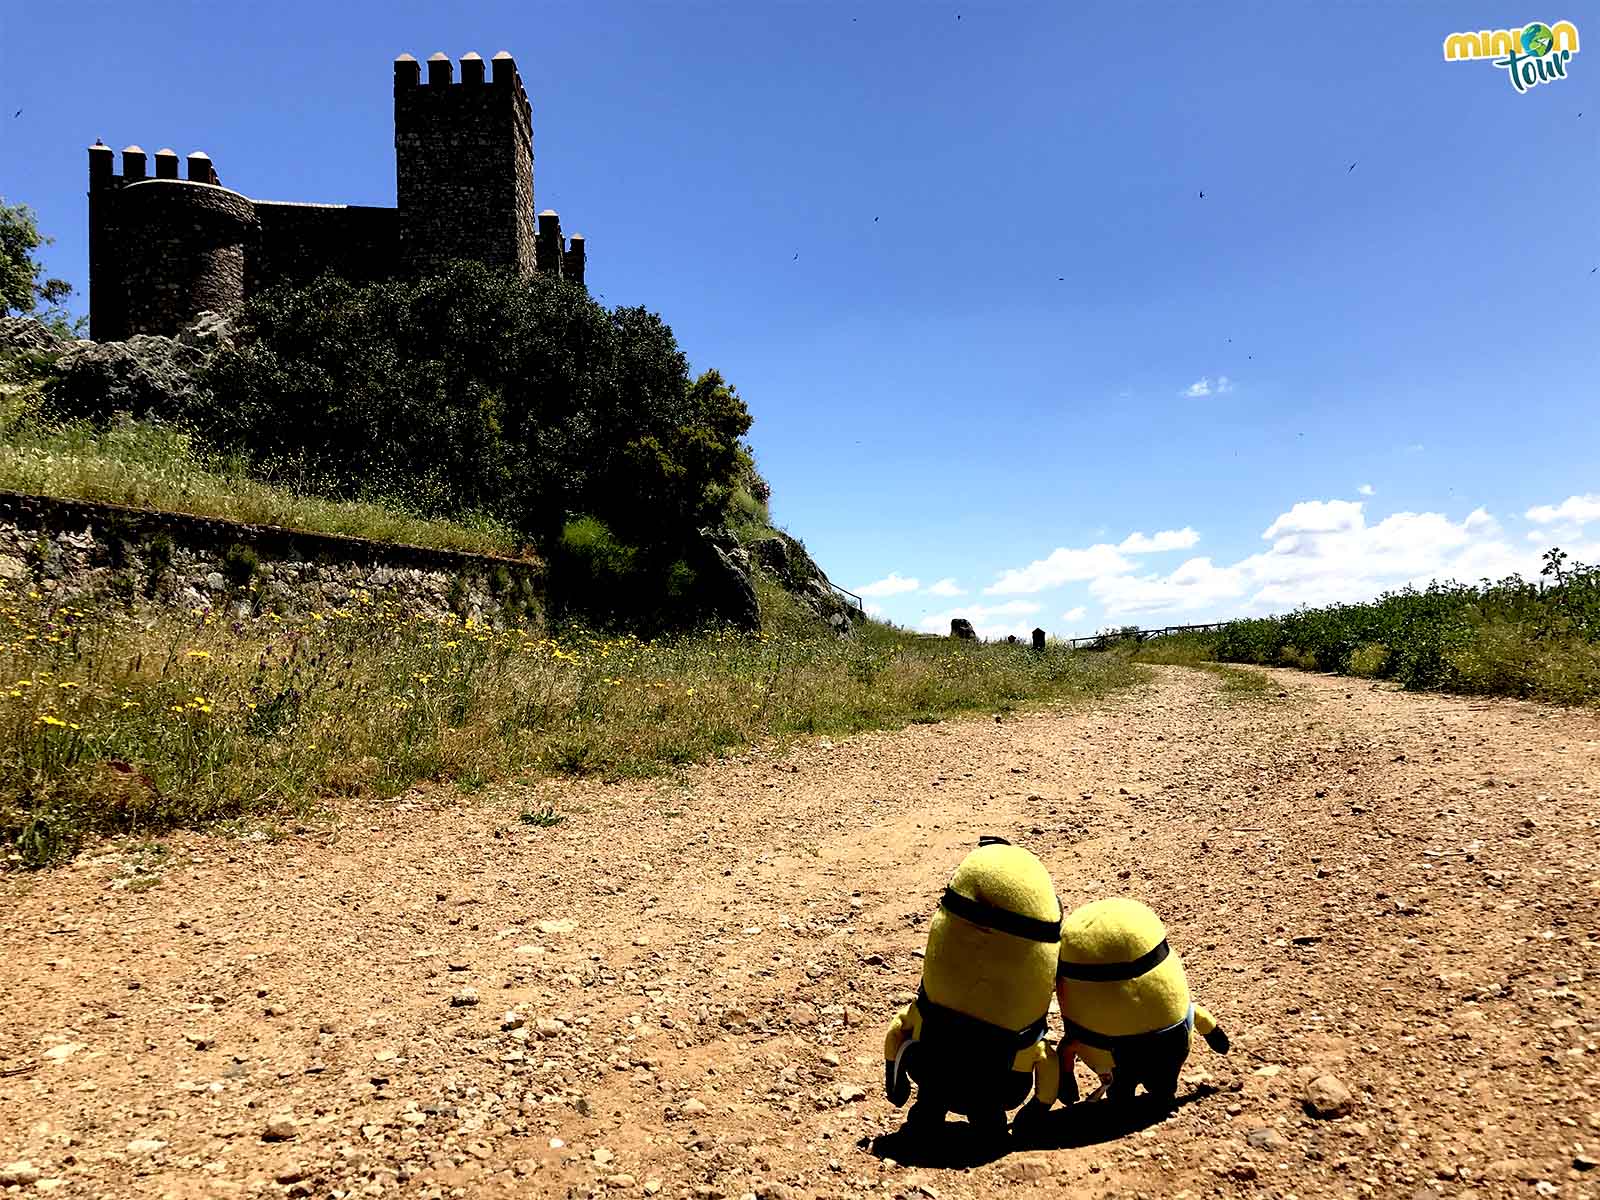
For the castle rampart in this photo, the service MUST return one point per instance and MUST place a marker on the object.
(163, 249)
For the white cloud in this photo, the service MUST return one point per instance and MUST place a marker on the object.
(1574, 511)
(1193, 584)
(891, 585)
(989, 620)
(1204, 387)
(1317, 516)
(1166, 539)
(1062, 565)
(946, 587)
(1366, 489)
(1321, 552)
(1074, 614)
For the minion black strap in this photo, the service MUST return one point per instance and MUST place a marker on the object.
(1114, 972)
(950, 1022)
(1002, 920)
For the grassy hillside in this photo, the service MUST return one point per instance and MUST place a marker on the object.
(151, 465)
(109, 725)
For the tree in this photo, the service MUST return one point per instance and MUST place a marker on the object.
(21, 289)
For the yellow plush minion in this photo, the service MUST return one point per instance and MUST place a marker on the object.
(973, 1039)
(1125, 1002)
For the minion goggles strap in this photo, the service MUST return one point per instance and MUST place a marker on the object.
(1002, 920)
(1114, 972)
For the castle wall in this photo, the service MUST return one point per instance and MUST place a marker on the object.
(296, 243)
(463, 164)
(182, 249)
(163, 249)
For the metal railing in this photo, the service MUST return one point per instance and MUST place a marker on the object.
(1144, 635)
(847, 594)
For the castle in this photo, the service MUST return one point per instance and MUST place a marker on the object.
(164, 249)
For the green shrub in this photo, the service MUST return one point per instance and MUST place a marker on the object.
(239, 566)
(1514, 637)
(1368, 660)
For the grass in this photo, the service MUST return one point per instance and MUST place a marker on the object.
(111, 725)
(148, 465)
(1238, 683)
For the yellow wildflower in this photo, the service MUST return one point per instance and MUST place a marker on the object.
(198, 654)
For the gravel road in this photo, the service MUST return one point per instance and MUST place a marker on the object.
(681, 989)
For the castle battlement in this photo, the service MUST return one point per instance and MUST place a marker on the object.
(164, 248)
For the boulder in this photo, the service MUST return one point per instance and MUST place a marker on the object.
(962, 628)
(145, 375)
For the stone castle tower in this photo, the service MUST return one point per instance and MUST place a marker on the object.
(163, 249)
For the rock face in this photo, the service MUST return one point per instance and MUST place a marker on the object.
(787, 561)
(145, 375)
(25, 335)
(962, 628)
(726, 595)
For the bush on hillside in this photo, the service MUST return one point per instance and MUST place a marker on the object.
(475, 391)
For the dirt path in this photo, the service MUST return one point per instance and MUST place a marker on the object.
(1397, 890)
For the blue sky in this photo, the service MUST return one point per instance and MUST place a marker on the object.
(986, 365)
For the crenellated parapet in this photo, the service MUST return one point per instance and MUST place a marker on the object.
(165, 242)
(162, 249)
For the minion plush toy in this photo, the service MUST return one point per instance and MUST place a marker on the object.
(973, 1039)
(1125, 1001)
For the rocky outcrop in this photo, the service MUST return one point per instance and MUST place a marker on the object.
(29, 336)
(726, 594)
(786, 560)
(145, 375)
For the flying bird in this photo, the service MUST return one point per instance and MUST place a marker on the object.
(18, 113)
(874, 220)
(796, 256)
(1352, 168)
(1202, 195)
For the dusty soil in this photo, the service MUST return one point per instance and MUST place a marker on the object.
(1399, 891)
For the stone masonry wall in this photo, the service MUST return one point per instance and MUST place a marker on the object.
(73, 550)
(298, 242)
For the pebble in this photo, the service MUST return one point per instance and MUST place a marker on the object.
(466, 998)
(19, 1174)
(851, 1091)
(280, 1128)
(604, 1157)
(1265, 1138)
(564, 925)
(146, 1145)
(1026, 1170)
(1327, 1098)
(692, 1108)
(619, 1181)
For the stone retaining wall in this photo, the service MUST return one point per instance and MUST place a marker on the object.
(73, 550)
